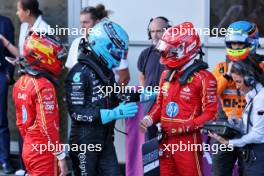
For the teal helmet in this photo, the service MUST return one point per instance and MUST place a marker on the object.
(109, 41)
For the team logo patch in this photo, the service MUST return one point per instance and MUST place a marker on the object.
(172, 109)
(186, 89)
(190, 79)
(77, 77)
(24, 114)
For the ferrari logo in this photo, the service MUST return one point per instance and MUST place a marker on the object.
(190, 79)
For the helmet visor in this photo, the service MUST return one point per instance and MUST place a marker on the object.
(168, 51)
(118, 54)
(231, 37)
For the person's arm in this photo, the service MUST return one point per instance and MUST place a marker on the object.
(219, 73)
(154, 114)
(10, 37)
(209, 100)
(19, 110)
(47, 114)
(256, 135)
(9, 46)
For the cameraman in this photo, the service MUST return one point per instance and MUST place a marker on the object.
(248, 78)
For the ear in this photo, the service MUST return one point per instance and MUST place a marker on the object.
(28, 12)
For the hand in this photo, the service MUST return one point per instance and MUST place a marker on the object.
(175, 128)
(122, 111)
(147, 96)
(63, 168)
(145, 123)
(218, 138)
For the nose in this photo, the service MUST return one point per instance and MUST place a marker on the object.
(235, 46)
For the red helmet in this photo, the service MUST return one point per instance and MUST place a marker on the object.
(44, 52)
(178, 45)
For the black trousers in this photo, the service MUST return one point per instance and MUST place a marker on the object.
(224, 162)
(92, 162)
(255, 164)
(4, 130)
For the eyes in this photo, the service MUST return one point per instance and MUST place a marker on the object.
(238, 81)
(84, 22)
(156, 31)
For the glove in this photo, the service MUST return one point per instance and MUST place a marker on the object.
(175, 128)
(147, 96)
(122, 111)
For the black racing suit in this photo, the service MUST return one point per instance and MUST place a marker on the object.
(86, 94)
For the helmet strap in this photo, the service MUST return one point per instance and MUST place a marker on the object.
(170, 75)
(201, 53)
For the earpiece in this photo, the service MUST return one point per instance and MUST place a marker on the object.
(159, 17)
(249, 81)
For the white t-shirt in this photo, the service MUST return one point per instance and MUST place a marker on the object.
(73, 58)
(40, 25)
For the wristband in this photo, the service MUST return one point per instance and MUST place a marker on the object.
(148, 120)
(61, 156)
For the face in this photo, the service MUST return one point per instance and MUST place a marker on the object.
(156, 29)
(23, 15)
(87, 22)
(237, 45)
(239, 81)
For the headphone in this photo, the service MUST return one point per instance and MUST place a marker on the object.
(168, 25)
(248, 76)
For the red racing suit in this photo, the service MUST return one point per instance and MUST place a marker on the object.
(194, 103)
(37, 116)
